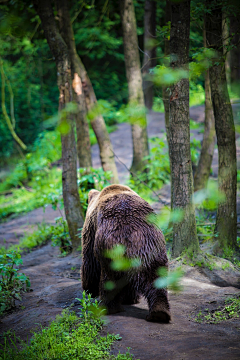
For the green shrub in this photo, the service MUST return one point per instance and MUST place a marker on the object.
(231, 309)
(96, 179)
(60, 236)
(67, 337)
(12, 283)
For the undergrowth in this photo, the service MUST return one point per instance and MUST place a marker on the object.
(39, 192)
(46, 189)
(57, 233)
(12, 282)
(67, 337)
(230, 310)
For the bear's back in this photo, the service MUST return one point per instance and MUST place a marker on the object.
(123, 219)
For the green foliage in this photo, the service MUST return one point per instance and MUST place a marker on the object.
(91, 311)
(166, 217)
(161, 75)
(67, 337)
(58, 233)
(208, 198)
(39, 192)
(119, 261)
(230, 310)
(60, 236)
(205, 231)
(12, 283)
(158, 105)
(95, 179)
(196, 94)
(238, 176)
(38, 237)
(194, 124)
(195, 146)
(232, 254)
(168, 279)
(202, 62)
(36, 164)
(157, 171)
(34, 182)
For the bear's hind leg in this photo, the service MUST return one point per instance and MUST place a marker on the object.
(159, 309)
(130, 295)
(112, 299)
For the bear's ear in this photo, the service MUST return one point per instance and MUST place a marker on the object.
(92, 194)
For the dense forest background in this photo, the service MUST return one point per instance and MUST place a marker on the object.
(72, 73)
(98, 35)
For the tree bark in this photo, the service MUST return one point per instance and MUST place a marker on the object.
(134, 79)
(226, 222)
(235, 52)
(84, 90)
(149, 60)
(226, 53)
(184, 232)
(205, 161)
(165, 93)
(83, 140)
(59, 51)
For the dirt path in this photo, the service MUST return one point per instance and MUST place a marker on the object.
(55, 285)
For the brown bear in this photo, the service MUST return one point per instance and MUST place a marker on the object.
(118, 215)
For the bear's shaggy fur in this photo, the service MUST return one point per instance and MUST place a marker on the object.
(117, 215)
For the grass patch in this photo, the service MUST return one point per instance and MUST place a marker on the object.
(67, 337)
(40, 191)
(58, 234)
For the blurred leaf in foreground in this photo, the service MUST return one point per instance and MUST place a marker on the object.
(169, 279)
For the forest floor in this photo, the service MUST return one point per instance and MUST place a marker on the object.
(55, 285)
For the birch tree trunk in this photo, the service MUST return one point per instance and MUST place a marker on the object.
(149, 60)
(59, 51)
(184, 232)
(205, 161)
(226, 222)
(134, 79)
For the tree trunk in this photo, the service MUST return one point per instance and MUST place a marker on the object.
(83, 140)
(134, 79)
(82, 82)
(59, 51)
(99, 127)
(235, 52)
(149, 60)
(205, 161)
(226, 53)
(226, 223)
(165, 93)
(184, 232)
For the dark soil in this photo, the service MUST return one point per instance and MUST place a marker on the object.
(55, 285)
